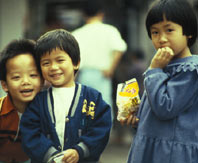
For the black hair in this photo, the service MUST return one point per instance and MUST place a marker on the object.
(58, 38)
(177, 11)
(93, 7)
(14, 48)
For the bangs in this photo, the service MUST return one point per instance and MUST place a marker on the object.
(57, 39)
(44, 48)
(154, 17)
(177, 11)
(163, 10)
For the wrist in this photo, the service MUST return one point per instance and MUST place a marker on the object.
(79, 151)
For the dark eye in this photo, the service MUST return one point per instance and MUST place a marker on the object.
(61, 60)
(45, 64)
(154, 32)
(34, 75)
(169, 30)
(15, 77)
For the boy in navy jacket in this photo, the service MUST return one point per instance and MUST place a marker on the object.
(69, 120)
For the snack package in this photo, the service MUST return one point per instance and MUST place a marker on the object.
(127, 98)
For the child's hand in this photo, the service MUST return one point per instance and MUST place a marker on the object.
(70, 156)
(131, 120)
(162, 57)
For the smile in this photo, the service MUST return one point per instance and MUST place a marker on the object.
(27, 92)
(55, 75)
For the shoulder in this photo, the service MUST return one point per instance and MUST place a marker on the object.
(90, 94)
(93, 96)
(195, 58)
(183, 65)
(2, 99)
(110, 29)
(1, 102)
(89, 90)
(6, 105)
(41, 95)
(80, 30)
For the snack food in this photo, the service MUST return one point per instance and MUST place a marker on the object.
(127, 98)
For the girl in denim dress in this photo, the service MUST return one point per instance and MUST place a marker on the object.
(168, 115)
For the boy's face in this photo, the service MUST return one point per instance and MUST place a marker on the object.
(23, 81)
(58, 69)
(169, 34)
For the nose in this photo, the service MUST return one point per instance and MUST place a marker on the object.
(54, 66)
(162, 38)
(26, 80)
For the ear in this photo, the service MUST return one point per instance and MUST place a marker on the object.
(189, 36)
(4, 85)
(76, 67)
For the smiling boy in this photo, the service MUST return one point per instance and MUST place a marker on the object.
(69, 119)
(21, 80)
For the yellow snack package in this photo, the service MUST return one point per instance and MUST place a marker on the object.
(127, 98)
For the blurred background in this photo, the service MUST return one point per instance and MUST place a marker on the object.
(31, 18)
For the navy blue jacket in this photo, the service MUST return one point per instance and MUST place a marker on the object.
(87, 130)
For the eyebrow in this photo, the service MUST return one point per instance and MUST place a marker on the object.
(44, 60)
(166, 25)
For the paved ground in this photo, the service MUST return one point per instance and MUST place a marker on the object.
(117, 152)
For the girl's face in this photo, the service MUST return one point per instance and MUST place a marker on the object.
(170, 34)
(23, 81)
(58, 69)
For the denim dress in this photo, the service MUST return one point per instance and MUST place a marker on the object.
(168, 127)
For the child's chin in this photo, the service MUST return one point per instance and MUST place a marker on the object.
(27, 99)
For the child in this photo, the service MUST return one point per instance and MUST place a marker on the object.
(167, 129)
(21, 80)
(69, 118)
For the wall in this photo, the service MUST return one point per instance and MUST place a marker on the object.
(12, 14)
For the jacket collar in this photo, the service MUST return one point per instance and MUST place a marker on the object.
(6, 105)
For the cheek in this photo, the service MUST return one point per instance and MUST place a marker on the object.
(44, 72)
(13, 87)
(155, 44)
(178, 44)
(38, 84)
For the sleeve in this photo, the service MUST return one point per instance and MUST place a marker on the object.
(169, 96)
(34, 142)
(115, 40)
(94, 141)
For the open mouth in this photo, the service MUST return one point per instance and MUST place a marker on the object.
(27, 92)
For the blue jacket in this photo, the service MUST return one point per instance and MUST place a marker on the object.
(168, 126)
(88, 126)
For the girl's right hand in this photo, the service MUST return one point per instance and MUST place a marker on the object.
(131, 120)
(162, 58)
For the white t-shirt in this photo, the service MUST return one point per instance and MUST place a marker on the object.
(62, 102)
(97, 42)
